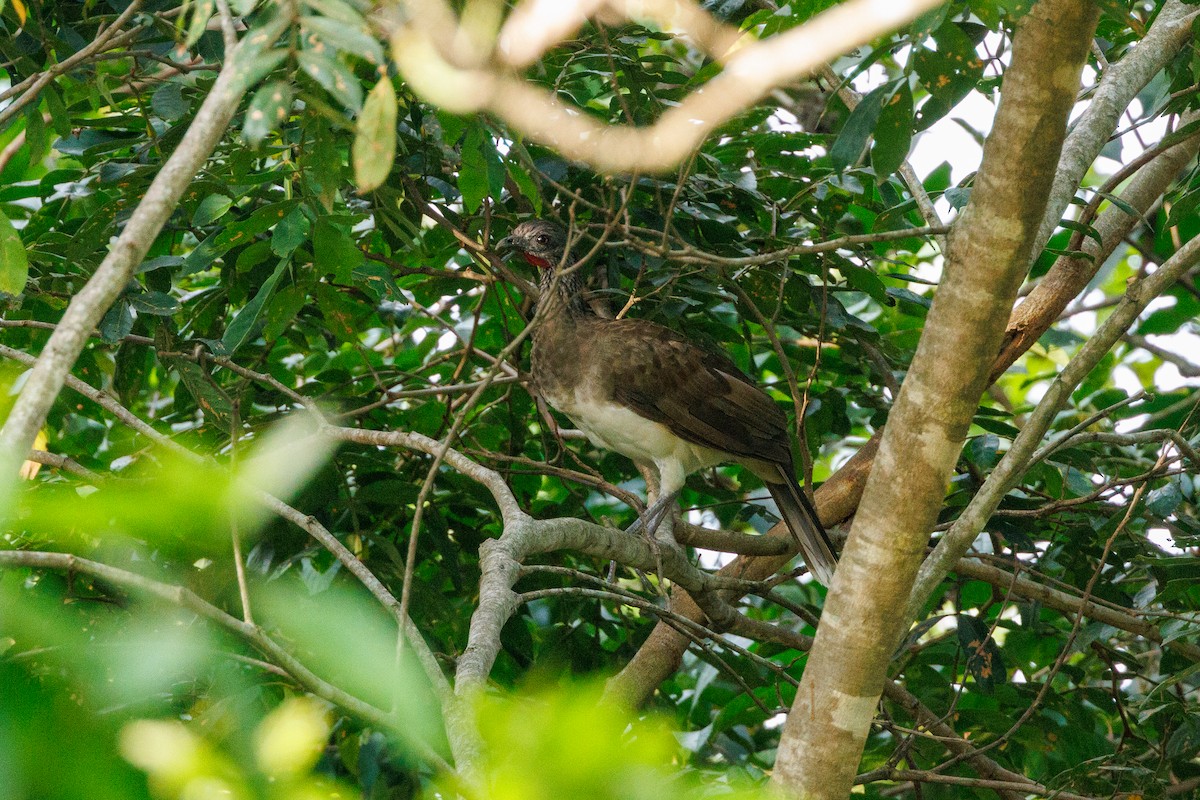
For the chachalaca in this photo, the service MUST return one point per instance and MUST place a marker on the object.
(645, 391)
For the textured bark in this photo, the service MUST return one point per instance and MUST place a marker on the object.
(988, 254)
(838, 498)
(1118, 87)
(1070, 275)
(105, 286)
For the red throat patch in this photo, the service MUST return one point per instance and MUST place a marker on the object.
(537, 262)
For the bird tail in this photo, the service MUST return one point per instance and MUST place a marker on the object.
(801, 519)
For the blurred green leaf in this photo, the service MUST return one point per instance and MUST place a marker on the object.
(14, 264)
(374, 146)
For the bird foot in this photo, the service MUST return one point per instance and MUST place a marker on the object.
(647, 523)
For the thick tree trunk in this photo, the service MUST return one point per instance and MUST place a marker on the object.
(825, 732)
(838, 497)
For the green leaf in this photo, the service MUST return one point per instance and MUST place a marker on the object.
(333, 77)
(1120, 203)
(858, 129)
(525, 184)
(117, 322)
(1078, 483)
(374, 147)
(269, 109)
(202, 11)
(242, 326)
(283, 309)
(893, 134)
(235, 234)
(378, 281)
(865, 281)
(984, 450)
(167, 101)
(473, 180)
(336, 9)
(957, 197)
(14, 262)
(261, 65)
(334, 252)
(948, 73)
(158, 303)
(1079, 227)
(211, 209)
(1163, 501)
(984, 662)
(348, 38)
(290, 233)
(254, 58)
(211, 398)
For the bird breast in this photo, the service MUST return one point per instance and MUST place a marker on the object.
(612, 426)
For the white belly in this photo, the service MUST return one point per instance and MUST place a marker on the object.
(617, 428)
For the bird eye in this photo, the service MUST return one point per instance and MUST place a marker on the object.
(542, 239)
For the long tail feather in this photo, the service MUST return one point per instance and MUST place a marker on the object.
(801, 519)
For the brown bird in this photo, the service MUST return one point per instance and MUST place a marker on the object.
(646, 392)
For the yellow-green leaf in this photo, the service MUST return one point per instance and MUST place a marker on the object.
(14, 263)
(374, 146)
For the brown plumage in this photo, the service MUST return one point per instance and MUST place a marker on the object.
(648, 393)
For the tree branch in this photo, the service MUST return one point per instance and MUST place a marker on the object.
(93, 300)
(988, 256)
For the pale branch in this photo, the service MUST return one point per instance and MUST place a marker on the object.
(1104, 491)
(1021, 787)
(689, 254)
(420, 45)
(253, 634)
(729, 541)
(510, 509)
(228, 34)
(1084, 424)
(1071, 605)
(198, 355)
(1186, 368)
(743, 626)
(1118, 86)
(1159, 436)
(502, 560)
(538, 467)
(30, 88)
(955, 544)
(987, 259)
(64, 463)
(1071, 274)
(87, 307)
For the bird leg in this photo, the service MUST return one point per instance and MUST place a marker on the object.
(648, 521)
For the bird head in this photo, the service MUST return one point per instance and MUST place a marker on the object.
(541, 242)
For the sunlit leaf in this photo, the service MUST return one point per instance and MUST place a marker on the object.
(14, 264)
(375, 137)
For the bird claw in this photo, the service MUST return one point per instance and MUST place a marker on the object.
(647, 523)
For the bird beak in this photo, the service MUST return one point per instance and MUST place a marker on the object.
(505, 245)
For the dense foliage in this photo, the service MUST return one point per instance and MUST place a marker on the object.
(281, 282)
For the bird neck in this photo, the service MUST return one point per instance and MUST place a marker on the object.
(562, 293)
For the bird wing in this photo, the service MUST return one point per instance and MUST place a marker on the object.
(698, 394)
